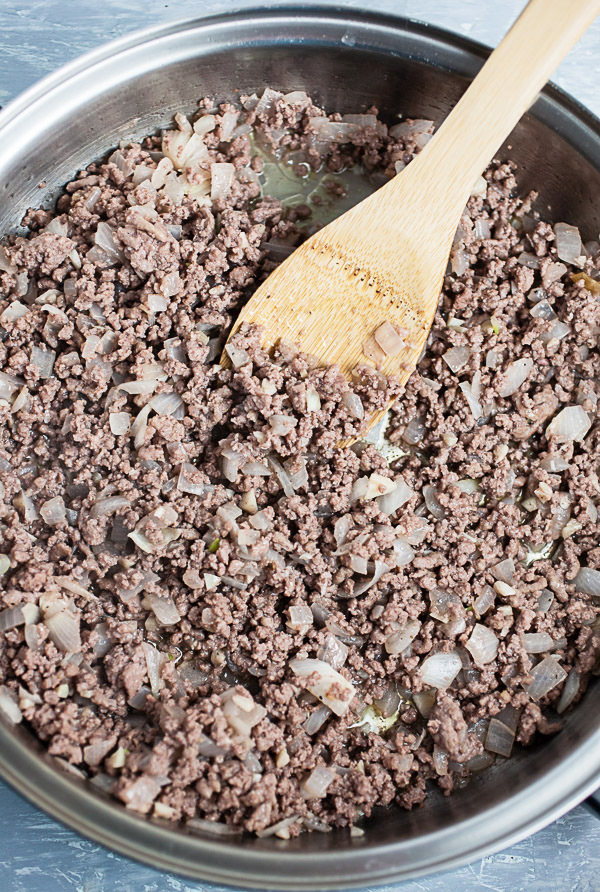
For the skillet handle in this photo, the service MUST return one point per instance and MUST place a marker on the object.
(593, 803)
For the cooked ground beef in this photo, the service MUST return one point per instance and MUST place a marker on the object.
(209, 608)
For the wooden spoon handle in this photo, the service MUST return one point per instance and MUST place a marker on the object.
(503, 90)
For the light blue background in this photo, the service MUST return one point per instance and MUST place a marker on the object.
(36, 853)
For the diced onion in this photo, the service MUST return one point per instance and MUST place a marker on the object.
(414, 431)
(388, 339)
(301, 618)
(398, 641)
(390, 502)
(255, 469)
(228, 125)
(164, 609)
(437, 510)
(119, 422)
(380, 568)
(141, 541)
(53, 511)
(341, 529)
(138, 387)
(15, 310)
(333, 651)
(568, 242)
(313, 401)
(316, 719)
(587, 581)
(222, 176)
(282, 476)
(43, 360)
(482, 645)
(316, 784)
(424, 701)
(569, 692)
(9, 706)
(185, 482)
(499, 738)
(167, 404)
(440, 670)
(326, 684)
(109, 505)
(403, 553)
(139, 426)
(536, 642)
(237, 355)
(154, 663)
(544, 677)
(471, 392)
(516, 373)
(11, 617)
(571, 424)
(543, 310)
(94, 753)
(456, 358)
(282, 425)
(63, 628)
(505, 570)
(484, 601)
(105, 239)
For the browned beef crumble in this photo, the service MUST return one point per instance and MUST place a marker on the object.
(179, 539)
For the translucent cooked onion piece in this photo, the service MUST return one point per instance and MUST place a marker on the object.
(301, 618)
(388, 339)
(53, 511)
(333, 651)
(516, 374)
(430, 496)
(63, 628)
(164, 609)
(9, 706)
(154, 663)
(570, 425)
(105, 239)
(282, 476)
(484, 601)
(569, 692)
(43, 360)
(167, 404)
(316, 719)
(544, 677)
(328, 685)
(120, 423)
(587, 581)
(536, 642)
(186, 481)
(222, 177)
(391, 501)
(11, 617)
(316, 784)
(379, 569)
(440, 670)
(482, 645)
(109, 505)
(499, 738)
(472, 393)
(398, 641)
(505, 570)
(239, 357)
(403, 553)
(456, 358)
(568, 242)
(424, 701)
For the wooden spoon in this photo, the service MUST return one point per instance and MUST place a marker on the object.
(385, 259)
